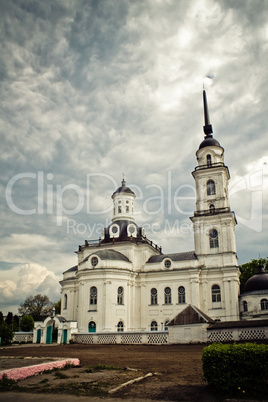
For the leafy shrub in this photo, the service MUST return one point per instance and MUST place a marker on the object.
(6, 333)
(6, 384)
(27, 323)
(237, 369)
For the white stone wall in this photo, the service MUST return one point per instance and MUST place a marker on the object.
(253, 300)
(195, 333)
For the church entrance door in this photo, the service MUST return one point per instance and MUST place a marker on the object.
(92, 326)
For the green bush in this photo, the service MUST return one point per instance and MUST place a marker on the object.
(6, 333)
(237, 369)
(27, 323)
(6, 384)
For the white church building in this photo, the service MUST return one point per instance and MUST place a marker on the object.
(124, 284)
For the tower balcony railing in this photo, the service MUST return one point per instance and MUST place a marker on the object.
(98, 242)
(210, 165)
(211, 211)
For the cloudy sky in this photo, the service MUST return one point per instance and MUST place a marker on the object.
(94, 89)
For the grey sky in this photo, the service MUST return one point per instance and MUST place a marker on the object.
(92, 89)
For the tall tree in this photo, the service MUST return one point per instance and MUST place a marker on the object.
(1, 317)
(9, 318)
(27, 323)
(57, 306)
(16, 322)
(6, 333)
(38, 306)
(249, 269)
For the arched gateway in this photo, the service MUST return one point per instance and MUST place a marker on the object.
(54, 329)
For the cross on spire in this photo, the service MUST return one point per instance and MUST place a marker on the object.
(123, 181)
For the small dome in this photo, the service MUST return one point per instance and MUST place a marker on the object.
(123, 189)
(209, 141)
(259, 281)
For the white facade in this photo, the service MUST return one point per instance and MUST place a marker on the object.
(124, 283)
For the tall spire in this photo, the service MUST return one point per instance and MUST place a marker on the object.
(207, 127)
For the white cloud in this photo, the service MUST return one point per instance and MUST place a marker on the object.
(29, 279)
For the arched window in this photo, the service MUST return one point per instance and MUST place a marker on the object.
(216, 294)
(120, 326)
(153, 326)
(92, 326)
(166, 325)
(65, 302)
(93, 295)
(245, 306)
(211, 209)
(211, 188)
(213, 238)
(167, 296)
(209, 160)
(120, 295)
(153, 296)
(119, 209)
(264, 304)
(181, 295)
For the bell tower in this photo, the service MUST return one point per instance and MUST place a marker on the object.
(213, 221)
(123, 199)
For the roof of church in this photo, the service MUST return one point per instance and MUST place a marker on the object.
(257, 282)
(239, 324)
(209, 141)
(108, 255)
(191, 315)
(188, 255)
(73, 269)
(123, 189)
(60, 318)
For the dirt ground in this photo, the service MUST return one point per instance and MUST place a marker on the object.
(176, 369)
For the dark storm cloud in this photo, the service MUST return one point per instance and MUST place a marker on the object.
(106, 87)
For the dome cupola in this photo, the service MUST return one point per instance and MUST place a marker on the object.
(123, 226)
(123, 189)
(257, 282)
(123, 199)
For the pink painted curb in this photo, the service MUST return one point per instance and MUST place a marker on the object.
(24, 372)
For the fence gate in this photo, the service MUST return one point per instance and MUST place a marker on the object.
(65, 336)
(38, 336)
(49, 334)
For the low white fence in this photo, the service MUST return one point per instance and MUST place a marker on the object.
(22, 337)
(151, 338)
(237, 334)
